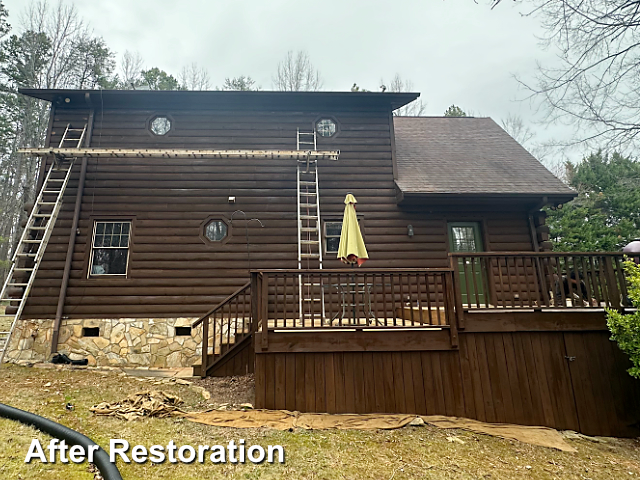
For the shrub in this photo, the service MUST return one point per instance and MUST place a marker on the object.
(625, 328)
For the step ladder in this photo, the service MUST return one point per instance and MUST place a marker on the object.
(37, 232)
(310, 290)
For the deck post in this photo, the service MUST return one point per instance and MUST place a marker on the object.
(255, 301)
(614, 291)
(455, 285)
(264, 310)
(450, 308)
(205, 347)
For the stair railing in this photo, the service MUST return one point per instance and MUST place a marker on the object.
(225, 325)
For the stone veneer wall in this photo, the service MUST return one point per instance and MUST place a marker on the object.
(133, 342)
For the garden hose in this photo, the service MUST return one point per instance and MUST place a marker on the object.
(107, 469)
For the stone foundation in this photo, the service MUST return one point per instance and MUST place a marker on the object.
(133, 342)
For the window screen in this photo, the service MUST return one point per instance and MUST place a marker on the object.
(110, 248)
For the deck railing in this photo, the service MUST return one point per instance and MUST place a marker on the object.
(355, 299)
(225, 325)
(517, 280)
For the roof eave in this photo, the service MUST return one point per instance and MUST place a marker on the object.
(391, 100)
(551, 197)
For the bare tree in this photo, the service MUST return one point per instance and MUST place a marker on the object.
(596, 87)
(296, 73)
(547, 153)
(131, 67)
(241, 83)
(515, 126)
(194, 77)
(53, 49)
(63, 28)
(398, 84)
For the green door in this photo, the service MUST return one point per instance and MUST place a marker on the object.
(466, 237)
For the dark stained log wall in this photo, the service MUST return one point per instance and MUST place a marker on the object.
(172, 272)
(523, 378)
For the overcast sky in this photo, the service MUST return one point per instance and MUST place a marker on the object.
(453, 51)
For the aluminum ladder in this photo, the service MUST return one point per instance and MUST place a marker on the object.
(37, 232)
(310, 291)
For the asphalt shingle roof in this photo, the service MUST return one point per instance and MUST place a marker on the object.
(466, 155)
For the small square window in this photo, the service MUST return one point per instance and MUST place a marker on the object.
(183, 331)
(91, 331)
(110, 248)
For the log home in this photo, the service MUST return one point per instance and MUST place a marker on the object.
(201, 229)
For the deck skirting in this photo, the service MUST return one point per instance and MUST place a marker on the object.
(562, 379)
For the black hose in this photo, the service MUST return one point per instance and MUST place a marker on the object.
(100, 458)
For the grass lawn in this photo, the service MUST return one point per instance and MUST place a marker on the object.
(412, 452)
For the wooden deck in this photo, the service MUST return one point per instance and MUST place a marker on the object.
(412, 345)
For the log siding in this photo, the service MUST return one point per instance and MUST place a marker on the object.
(172, 271)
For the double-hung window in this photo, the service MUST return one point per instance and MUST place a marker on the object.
(110, 248)
(332, 231)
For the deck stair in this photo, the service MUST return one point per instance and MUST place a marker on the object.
(227, 329)
(36, 234)
(310, 291)
(222, 352)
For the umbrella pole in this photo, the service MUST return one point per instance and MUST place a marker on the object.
(353, 293)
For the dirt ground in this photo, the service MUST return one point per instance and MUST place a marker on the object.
(410, 453)
(232, 390)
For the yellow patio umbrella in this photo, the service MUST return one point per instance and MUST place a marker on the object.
(351, 249)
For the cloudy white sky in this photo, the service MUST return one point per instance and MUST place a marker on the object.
(453, 51)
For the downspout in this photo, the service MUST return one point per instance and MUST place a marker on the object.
(72, 233)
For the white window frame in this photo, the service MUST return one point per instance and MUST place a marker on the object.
(93, 247)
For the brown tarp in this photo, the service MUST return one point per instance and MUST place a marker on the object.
(161, 404)
(285, 420)
(543, 436)
(141, 404)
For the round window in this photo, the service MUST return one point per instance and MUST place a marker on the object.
(215, 230)
(160, 125)
(326, 127)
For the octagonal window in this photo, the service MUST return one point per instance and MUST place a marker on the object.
(326, 127)
(160, 125)
(216, 230)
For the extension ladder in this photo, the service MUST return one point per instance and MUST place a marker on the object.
(36, 234)
(310, 290)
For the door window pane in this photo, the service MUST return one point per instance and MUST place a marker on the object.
(464, 239)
